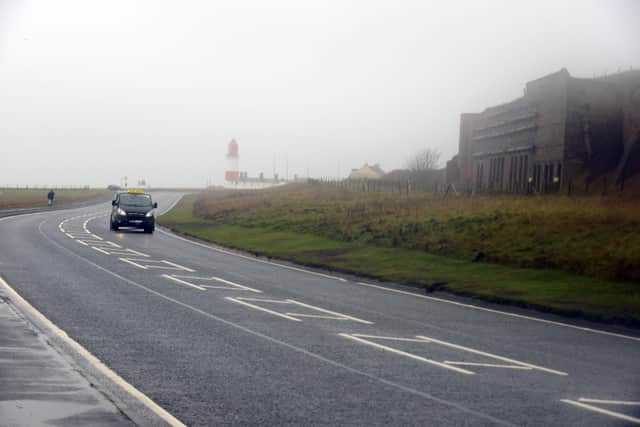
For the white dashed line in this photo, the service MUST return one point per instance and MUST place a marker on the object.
(602, 411)
(266, 310)
(405, 354)
(182, 282)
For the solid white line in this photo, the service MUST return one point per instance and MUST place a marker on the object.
(487, 365)
(391, 338)
(175, 279)
(317, 316)
(179, 266)
(610, 402)
(281, 343)
(602, 411)
(100, 250)
(413, 294)
(289, 267)
(95, 362)
(133, 263)
(271, 301)
(505, 313)
(404, 353)
(493, 356)
(312, 307)
(266, 310)
(228, 282)
(228, 288)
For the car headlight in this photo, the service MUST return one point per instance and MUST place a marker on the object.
(149, 214)
(121, 212)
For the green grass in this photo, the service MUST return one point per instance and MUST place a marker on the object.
(593, 236)
(551, 290)
(28, 198)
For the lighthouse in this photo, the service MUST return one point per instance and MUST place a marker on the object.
(232, 174)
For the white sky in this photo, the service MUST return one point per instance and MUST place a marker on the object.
(92, 91)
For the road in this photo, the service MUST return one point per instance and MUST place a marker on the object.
(216, 337)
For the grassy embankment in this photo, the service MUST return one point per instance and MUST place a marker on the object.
(29, 198)
(572, 256)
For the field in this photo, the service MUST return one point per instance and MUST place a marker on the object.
(29, 198)
(570, 255)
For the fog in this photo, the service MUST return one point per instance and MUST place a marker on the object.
(93, 91)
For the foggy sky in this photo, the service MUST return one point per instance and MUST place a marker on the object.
(92, 91)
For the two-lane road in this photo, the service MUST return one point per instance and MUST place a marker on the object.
(215, 337)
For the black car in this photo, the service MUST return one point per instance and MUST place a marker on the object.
(133, 208)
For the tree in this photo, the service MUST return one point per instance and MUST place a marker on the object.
(427, 159)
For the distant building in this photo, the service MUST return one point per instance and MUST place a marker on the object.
(563, 127)
(367, 172)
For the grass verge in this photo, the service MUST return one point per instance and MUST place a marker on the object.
(547, 290)
(11, 198)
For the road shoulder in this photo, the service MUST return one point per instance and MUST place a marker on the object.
(51, 379)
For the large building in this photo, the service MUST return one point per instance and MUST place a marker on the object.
(561, 129)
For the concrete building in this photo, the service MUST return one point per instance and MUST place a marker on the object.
(562, 128)
(367, 172)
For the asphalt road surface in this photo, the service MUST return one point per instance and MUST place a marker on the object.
(216, 337)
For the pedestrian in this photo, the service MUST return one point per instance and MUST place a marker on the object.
(50, 196)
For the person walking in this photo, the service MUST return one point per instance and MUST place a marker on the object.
(50, 197)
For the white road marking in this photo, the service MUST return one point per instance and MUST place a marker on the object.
(94, 361)
(266, 310)
(610, 402)
(270, 301)
(487, 365)
(237, 285)
(505, 313)
(133, 263)
(151, 263)
(490, 355)
(316, 316)
(413, 294)
(178, 266)
(323, 310)
(289, 267)
(404, 353)
(100, 250)
(602, 411)
(175, 279)
(126, 251)
(292, 347)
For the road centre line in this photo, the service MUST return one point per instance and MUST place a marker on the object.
(413, 294)
(487, 365)
(602, 411)
(271, 301)
(175, 279)
(126, 251)
(316, 316)
(404, 353)
(266, 310)
(292, 347)
(133, 263)
(289, 267)
(323, 310)
(490, 355)
(228, 282)
(610, 402)
(179, 266)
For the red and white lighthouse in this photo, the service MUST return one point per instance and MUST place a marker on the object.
(232, 174)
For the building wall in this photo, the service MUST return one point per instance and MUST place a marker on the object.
(560, 128)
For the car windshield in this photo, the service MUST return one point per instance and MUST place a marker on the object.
(135, 200)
